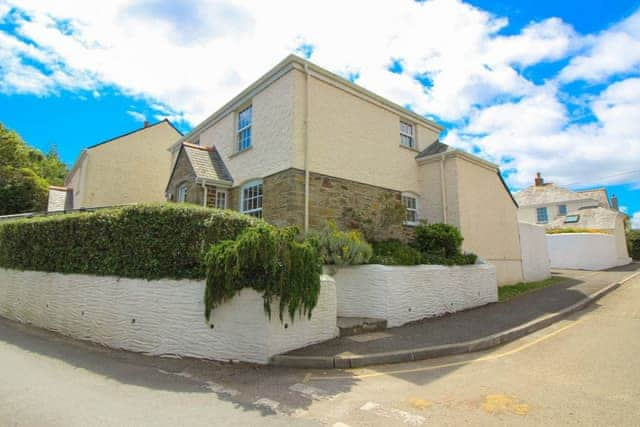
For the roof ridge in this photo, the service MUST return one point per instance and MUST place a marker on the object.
(199, 147)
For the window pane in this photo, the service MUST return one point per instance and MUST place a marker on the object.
(541, 215)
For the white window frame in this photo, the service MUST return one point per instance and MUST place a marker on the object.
(546, 215)
(409, 196)
(241, 130)
(225, 199)
(411, 136)
(258, 197)
(182, 193)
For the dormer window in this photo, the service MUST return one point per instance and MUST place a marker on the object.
(407, 137)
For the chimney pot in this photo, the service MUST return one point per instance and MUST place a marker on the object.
(614, 202)
(146, 124)
(539, 180)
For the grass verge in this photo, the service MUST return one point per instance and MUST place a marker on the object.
(505, 293)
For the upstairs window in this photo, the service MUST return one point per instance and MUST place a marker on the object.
(183, 191)
(244, 128)
(411, 209)
(406, 135)
(562, 210)
(221, 199)
(542, 216)
(251, 199)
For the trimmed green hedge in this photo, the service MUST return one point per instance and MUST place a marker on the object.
(633, 241)
(141, 241)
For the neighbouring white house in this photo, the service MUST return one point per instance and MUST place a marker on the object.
(130, 168)
(556, 208)
(302, 145)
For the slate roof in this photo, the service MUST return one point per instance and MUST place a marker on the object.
(547, 193)
(599, 194)
(435, 148)
(599, 218)
(207, 163)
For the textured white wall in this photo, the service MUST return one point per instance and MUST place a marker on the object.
(169, 315)
(583, 251)
(535, 257)
(402, 294)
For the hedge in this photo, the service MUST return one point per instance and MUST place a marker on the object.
(141, 241)
(633, 241)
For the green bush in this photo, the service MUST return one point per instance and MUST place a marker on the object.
(457, 259)
(338, 247)
(270, 261)
(633, 241)
(141, 241)
(438, 240)
(571, 230)
(394, 252)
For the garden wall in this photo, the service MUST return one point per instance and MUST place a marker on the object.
(401, 294)
(161, 317)
(583, 251)
(535, 256)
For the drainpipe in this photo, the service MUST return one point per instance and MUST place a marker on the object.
(306, 147)
(443, 190)
(204, 189)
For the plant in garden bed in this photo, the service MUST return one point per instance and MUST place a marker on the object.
(570, 230)
(269, 260)
(337, 247)
(394, 252)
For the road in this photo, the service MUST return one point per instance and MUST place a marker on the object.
(583, 370)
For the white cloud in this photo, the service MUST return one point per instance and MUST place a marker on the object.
(137, 116)
(635, 221)
(615, 50)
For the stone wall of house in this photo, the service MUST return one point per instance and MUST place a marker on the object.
(329, 197)
(183, 173)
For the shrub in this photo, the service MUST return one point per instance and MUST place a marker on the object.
(394, 252)
(141, 241)
(633, 241)
(270, 261)
(338, 247)
(457, 259)
(438, 240)
(574, 230)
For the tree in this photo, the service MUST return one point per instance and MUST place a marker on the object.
(25, 174)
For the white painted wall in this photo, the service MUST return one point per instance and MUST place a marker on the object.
(583, 251)
(535, 257)
(401, 294)
(169, 315)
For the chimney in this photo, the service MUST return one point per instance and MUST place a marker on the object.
(146, 124)
(614, 202)
(539, 181)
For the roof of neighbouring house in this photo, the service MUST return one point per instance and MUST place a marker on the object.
(207, 163)
(435, 148)
(548, 193)
(598, 194)
(596, 218)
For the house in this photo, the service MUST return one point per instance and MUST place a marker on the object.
(130, 168)
(555, 207)
(302, 146)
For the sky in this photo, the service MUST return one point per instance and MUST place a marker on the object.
(549, 86)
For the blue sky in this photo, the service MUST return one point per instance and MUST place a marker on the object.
(550, 86)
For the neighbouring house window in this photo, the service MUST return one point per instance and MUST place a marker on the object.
(572, 219)
(221, 199)
(406, 135)
(411, 209)
(244, 128)
(251, 199)
(562, 210)
(182, 193)
(542, 216)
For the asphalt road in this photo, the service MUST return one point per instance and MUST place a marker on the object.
(584, 370)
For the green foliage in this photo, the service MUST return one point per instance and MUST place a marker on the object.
(438, 240)
(21, 190)
(143, 241)
(24, 173)
(574, 230)
(338, 247)
(505, 293)
(456, 259)
(394, 252)
(387, 212)
(633, 242)
(270, 261)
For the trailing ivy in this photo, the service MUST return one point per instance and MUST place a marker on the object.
(270, 261)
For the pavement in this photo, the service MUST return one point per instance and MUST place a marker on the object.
(581, 370)
(466, 331)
